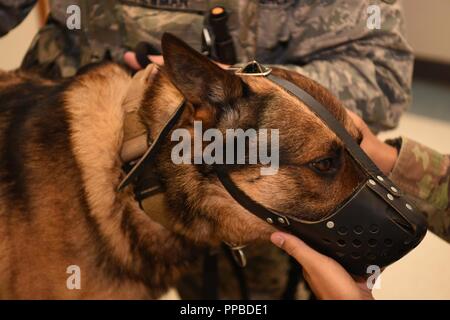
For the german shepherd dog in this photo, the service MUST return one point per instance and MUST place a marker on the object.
(60, 167)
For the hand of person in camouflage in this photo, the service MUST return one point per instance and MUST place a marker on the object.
(381, 153)
(131, 60)
(327, 278)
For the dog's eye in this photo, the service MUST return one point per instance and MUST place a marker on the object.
(324, 166)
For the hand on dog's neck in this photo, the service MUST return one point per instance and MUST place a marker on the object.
(136, 134)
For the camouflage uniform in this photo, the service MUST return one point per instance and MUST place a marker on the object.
(424, 175)
(327, 40)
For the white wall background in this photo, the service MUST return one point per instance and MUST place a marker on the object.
(14, 45)
(424, 272)
(428, 27)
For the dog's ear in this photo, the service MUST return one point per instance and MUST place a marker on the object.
(199, 79)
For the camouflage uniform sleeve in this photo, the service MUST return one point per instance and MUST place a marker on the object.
(424, 174)
(369, 70)
(12, 12)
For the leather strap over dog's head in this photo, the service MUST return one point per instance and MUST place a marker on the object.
(351, 233)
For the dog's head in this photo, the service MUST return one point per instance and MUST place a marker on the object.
(315, 172)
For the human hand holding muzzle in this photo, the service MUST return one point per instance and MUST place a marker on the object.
(327, 278)
(143, 55)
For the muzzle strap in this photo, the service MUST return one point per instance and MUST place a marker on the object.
(392, 194)
(331, 122)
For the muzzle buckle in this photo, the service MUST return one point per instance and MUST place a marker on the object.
(253, 68)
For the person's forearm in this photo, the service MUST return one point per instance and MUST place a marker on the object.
(424, 174)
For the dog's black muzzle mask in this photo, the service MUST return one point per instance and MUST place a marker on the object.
(375, 226)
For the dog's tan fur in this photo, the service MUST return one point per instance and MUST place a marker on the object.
(60, 169)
